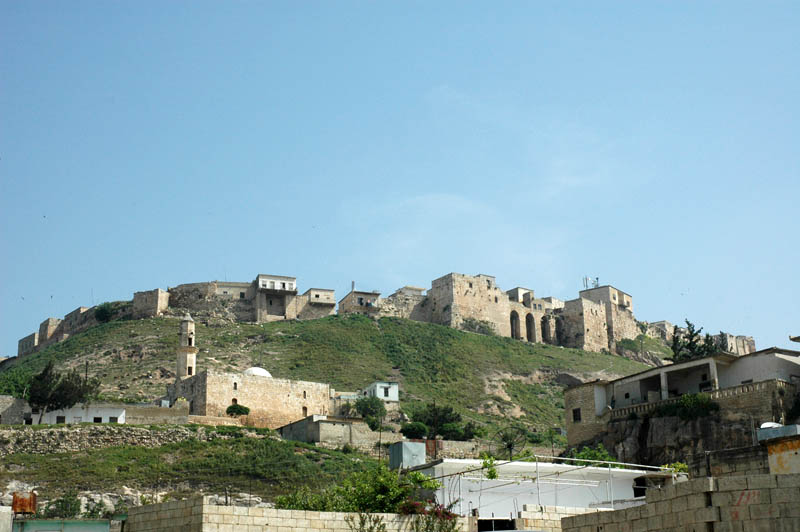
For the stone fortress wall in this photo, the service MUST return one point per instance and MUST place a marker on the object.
(594, 321)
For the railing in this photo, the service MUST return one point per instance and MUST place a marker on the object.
(724, 393)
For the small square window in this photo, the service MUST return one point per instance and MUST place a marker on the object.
(241, 295)
(627, 395)
(97, 420)
(113, 419)
(316, 296)
(61, 419)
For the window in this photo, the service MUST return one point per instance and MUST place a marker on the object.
(113, 419)
(627, 395)
(29, 421)
(576, 415)
(495, 299)
(190, 341)
(225, 292)
(263, 284)
(386, 392)
(188, 370)
(272, 284)
(361, 301)
(61, 419)
(235, 385)
(470, 285)
(304, 394)
(97, 420)
(283, 286)
(703, 377)
(316, 296)
(305, 411)
(241, 295)
(234, 401)
(270, 302)
(488, 283)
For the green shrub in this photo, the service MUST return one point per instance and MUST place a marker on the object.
(478, 326)
(688, 407)
(237, 410)
(586, 452)
(414, 430)
(678, 467)
(65, 507)
(103, 312)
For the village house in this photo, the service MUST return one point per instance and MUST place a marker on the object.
(762, 384)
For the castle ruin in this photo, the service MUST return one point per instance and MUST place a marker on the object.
(597, 320)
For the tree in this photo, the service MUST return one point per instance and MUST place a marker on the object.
(372, 410)
(237, 410)
(51, 391)
(414, 430)
(691, 345)
(436, 417)
(103, 312)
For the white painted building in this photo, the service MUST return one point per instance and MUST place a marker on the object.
(541, 483)
(91, 413)
(386, 391)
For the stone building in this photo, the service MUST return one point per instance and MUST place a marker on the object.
(272, 402)
(761, 384)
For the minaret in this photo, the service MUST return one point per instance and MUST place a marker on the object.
(187, 349)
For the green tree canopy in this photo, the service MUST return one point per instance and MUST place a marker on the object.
(692, 345)
(50, 390)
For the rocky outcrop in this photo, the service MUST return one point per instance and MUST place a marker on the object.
(645, 357)
(662, 440)
(67, 439)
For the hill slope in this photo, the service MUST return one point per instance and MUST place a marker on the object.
(486, 378)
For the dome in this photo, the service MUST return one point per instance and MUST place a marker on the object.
(258, 372)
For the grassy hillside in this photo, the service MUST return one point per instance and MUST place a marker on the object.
(488, 379)
(258, 465)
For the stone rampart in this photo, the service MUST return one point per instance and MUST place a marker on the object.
(753, 502)
(84, 437)
(199, 515)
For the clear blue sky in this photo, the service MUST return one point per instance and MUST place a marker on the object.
(651, 144)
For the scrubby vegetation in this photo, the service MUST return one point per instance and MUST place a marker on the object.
(262, 466)
(134, 359)
(688, 407)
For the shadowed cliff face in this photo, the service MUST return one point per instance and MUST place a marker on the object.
(661, 440)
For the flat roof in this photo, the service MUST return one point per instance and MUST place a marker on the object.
(275, 276)
(321, 289)
(604, 286)
(451, 466)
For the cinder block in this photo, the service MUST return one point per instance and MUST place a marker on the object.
(785, 495)
(758, 525)
(696, 500)
(764, 511)
(788, 481)
(706, 515)
(679, 504)
(734, 513)
(731, 483)
(761, 481)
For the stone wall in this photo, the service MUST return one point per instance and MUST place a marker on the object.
(199, 515)
(582, 324)
(272, 402)
(12, 410)
(590, 426)
(28, 344)
(754, 502)
(150, 303)
(76, 438)
(548, 518)
(157, 415)
(739, 461)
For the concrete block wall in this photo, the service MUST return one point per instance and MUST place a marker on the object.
(729, 504)
(740, 461)
(197, 515)
(548, 518)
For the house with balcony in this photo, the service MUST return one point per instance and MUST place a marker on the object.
(762, 384)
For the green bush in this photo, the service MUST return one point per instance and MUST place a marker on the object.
(103, 312)
(65, 507)
(478, 326)
(414, 430)
(598, 452)
(688, 407)
(237, 410)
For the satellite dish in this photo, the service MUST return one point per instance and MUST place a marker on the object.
(508, 440)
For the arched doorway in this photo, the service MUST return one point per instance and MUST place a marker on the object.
(515, 325)
(530, 328)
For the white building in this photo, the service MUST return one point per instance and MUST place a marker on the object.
(540, 483)
(91, 413)
(386, 391)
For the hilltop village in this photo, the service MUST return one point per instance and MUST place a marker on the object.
(599, 318)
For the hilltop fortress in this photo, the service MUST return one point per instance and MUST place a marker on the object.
(596, 320)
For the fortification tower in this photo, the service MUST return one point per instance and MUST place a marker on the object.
(187, 349)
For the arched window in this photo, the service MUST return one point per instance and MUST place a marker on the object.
(235, 386)
(515, 325)
(530, 328)
(305, 411)
(234, 401)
